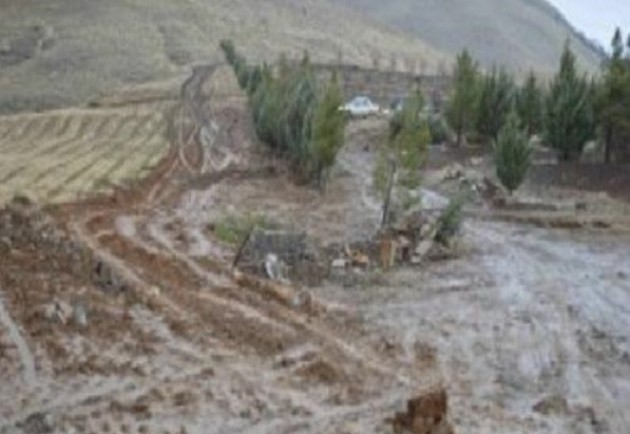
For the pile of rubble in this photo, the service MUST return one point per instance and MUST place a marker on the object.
(412, 241)
(474, 179)
(289, 256)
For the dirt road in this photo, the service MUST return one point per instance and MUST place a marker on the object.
(531, 328)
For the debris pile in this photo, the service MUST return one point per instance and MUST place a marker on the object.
(426, 414)
(411, 241)
(486, 188)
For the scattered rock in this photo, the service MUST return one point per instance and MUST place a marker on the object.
(80, 315)
(58, 311)
(453, 171)
(107, 279)
(339, 263)
(423, 248)
(303, 300)
(155, 291)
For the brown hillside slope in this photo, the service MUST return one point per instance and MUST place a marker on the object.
(62, 52)
(520, 34)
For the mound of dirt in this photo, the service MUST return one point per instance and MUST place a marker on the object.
(24, 226)
(426, 414)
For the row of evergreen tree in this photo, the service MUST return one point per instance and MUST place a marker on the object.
(568, 113)
(292, 113)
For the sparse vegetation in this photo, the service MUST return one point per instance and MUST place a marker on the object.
(450, 221)
(512, 154)
(461, 110)
(232, 229)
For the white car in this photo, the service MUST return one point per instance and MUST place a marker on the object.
(361, 106)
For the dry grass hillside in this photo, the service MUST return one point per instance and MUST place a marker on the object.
(63, 52)
(520, 34)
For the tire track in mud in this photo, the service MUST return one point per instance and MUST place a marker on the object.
(26, 356)
(193, 111)
(546, 307)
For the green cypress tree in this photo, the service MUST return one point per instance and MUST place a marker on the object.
(613, 100)
(496, 100)
(398, 163)
(512, 154)
(530, 105)
(461, 110)
(569, 117)
(328, 132)
(299, 99)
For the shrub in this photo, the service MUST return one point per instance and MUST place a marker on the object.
(450, 222)
(512, 154)
(232, 229)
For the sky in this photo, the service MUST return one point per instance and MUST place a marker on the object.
(597, 19)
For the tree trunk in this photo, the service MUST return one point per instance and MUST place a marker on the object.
(388, 196)
(608, 144)
(460, 131)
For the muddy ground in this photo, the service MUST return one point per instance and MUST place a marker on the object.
(123, 314)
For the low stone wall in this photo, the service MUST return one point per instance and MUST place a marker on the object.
(384, 86)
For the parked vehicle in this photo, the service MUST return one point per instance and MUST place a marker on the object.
(361, 106)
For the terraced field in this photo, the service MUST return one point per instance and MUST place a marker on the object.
(64, 155)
